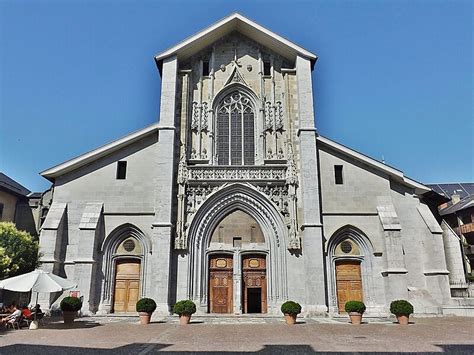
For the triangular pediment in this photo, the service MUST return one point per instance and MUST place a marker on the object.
(243, 25)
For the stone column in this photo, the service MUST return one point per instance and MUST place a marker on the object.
(162, 234)
(237, 279)
(312, 237)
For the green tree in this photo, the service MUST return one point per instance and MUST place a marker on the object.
(18, 251)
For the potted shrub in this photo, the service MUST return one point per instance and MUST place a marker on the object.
(185, 309)
(290, 309)
(402, 310)
(145, 307)
(69, 306)
(355, 309)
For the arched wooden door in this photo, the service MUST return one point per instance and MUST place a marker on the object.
(254, 291)
(127, 285)
(220, 284)
(348, 282)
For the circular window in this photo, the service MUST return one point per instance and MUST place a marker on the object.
(129, 245)
(346, 247)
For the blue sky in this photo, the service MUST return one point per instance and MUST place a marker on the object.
(393, 79)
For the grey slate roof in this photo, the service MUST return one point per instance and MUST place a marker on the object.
(12, 186)
(463, 189)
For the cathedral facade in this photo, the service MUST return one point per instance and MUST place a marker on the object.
(234, 201)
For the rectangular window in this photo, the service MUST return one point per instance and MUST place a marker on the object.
(267, 68)
(338, 174)
(121, 170)
(205, 68)
(237, 242)
(1, 210)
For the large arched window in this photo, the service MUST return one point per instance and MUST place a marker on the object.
(235, 143)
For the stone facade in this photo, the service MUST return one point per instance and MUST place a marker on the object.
(237, 135)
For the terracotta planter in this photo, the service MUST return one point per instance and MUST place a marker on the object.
(403, 320)
(144, 317)
(184, 319)
(68, 317)
(356, 318)
(290, 319)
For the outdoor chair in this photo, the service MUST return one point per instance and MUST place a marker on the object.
(14, 323)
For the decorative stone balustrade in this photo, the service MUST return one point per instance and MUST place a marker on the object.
(240, 173)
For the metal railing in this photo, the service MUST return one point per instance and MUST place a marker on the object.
(464, 289)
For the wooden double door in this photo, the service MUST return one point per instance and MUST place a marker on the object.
(221, 284)
(127, 285)
(348, 282)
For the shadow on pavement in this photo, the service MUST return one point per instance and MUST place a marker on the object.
(75, 325)
(148, 348)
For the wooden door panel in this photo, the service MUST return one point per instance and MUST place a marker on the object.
(128, 270)
(133, 295)
(348, 283)
(221, 284)
(120, 296)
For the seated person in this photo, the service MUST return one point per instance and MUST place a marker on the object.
(12, 317)
(37, 312)
(26, 313)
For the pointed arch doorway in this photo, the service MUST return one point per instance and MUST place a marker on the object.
(237, 277)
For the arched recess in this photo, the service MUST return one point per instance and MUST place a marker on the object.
(112, 254)
(221, 203)
(256, 104)
(361, 252)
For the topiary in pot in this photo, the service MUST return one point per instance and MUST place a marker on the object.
(290, 309)
(184, 309)
(402, 310)
(70, 306)
(145, 307)
(355, 309)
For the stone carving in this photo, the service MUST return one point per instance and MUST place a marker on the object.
(196, 195)
(204, 115)
(200, 173)
(182, 167)
(292, 184)
(278, 116)
(273, 116)
(291, 173)
(278, 195)
(180, 238)
(199, 119)
(195, 116)
(268, 115)
(236, 77)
